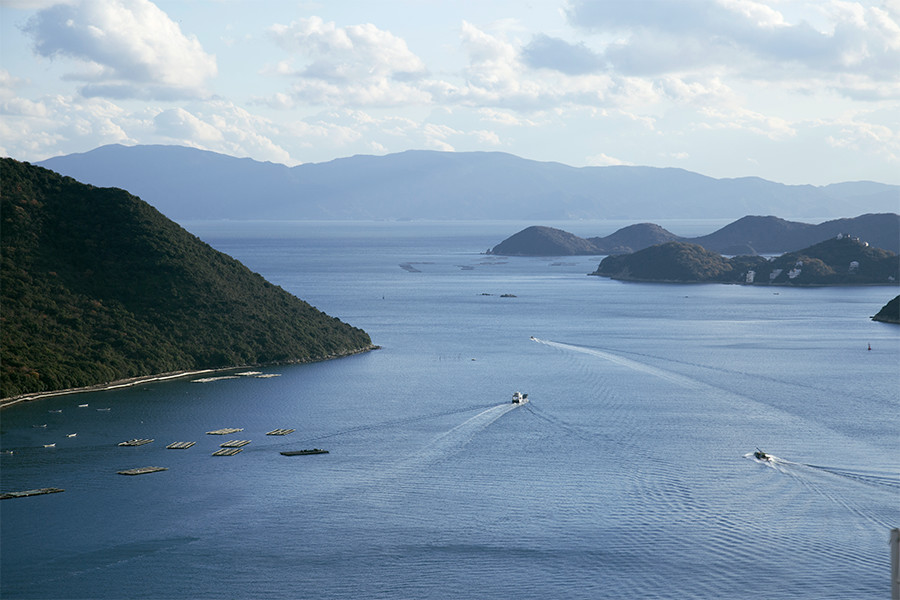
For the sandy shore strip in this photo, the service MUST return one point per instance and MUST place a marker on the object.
(132, 381)
(101, 387)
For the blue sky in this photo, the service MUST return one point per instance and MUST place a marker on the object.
(793, 91)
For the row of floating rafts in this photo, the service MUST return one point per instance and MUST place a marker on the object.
(257, 374)
(136, 442)
(227, 451)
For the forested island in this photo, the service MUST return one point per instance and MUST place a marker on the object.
(98, 286)
(843, 260)
(890, 312)
(748, 235)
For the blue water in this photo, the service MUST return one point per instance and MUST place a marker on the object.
(628, 475)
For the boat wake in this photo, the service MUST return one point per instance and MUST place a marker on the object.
(828, 481)
(675, 378)
(452, 441)
(395, 422)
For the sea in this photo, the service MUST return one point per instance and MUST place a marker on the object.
(630, 473)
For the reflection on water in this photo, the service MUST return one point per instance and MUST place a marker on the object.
(628, 474)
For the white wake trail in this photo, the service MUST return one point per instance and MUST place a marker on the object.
(685, 382)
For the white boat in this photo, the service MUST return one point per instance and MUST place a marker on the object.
(71, 434)
(49, 445)
(519, 398)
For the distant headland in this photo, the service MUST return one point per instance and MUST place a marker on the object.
(749, 235)
(890, 312)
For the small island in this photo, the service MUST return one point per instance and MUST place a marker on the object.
(749, 235)
(842, 260)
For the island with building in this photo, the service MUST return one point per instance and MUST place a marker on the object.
(841, 260)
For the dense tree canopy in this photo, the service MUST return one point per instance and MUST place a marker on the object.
(842, 260)
(97, 285)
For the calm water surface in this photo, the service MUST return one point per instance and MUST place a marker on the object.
(628, 475)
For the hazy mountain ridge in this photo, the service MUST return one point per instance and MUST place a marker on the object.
(96, 285)
(186, 183)
(747, 236)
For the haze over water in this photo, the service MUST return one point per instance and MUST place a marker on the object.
(629, 474)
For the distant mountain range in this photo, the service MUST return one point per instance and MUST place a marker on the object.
(96, 285)
(748, 236)
(187, 184)
(838, 261)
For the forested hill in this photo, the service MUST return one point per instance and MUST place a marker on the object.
(97, 285)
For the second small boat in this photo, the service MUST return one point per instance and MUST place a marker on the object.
(760, 455)
(303, 452)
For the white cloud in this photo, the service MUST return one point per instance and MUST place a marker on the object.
(872, 139)
(359, 65)
(487, 138)
(602, 160)
(125, 49)
(751, 39)
(178, 124)
(772, 127)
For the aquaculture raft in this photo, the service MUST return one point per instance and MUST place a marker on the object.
(26, 493)
(234, 444)
(180, 445)
(136, 442)
(281, 431)
(225, 431)
(226, 452)
(142, 470)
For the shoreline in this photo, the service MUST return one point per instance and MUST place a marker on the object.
(133, 381)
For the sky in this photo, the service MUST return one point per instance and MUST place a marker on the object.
(794, 91)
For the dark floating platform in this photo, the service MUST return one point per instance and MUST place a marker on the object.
(304, 452)
(26, 493)
(142, 470)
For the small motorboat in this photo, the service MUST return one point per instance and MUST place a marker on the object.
(71, 434)
(49, 445)
(519, 398)
(760, 455)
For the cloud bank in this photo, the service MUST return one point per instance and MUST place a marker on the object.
(124, 48)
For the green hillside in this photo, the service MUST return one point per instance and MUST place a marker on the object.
(97, 285)
(890, 312)
(842, 260)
